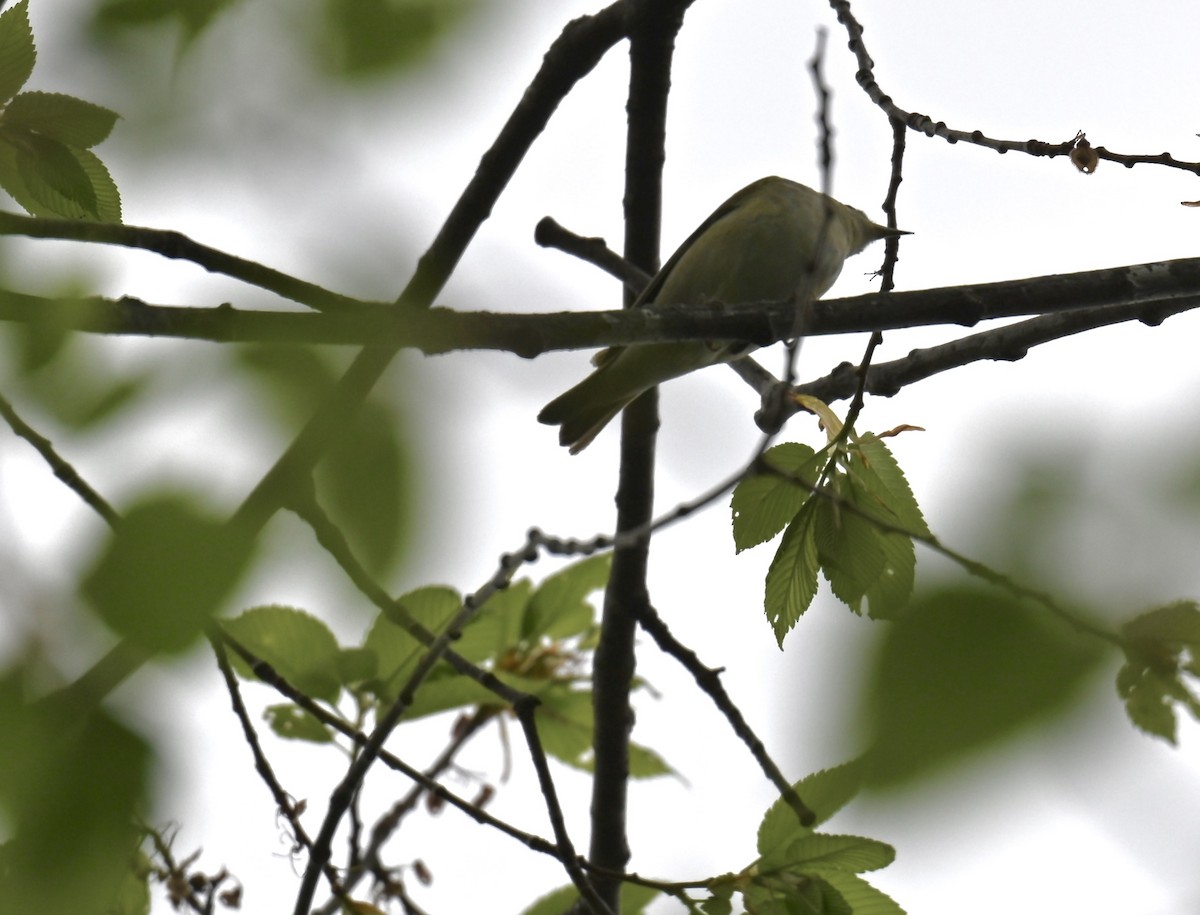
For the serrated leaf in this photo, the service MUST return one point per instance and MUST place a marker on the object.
(794, 894)
(558, 609)
(824, 793)
(70, 120)
(50, 179)
(863, 898)
(891, 591)
(299, 646)
(53, 176)
(848, 550)
(792, 577)
(961, 669)
(821, 853)
(293, 723)
(645, 763)
(1175, 623)
(880, 476)
(17, 52)
(165, 572)
(765, 503)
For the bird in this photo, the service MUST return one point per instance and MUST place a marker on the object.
(760, 245)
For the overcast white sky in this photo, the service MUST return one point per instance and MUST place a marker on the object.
(1092, 818)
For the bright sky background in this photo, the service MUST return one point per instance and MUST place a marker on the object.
(1086, 817)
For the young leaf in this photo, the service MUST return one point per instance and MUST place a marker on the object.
(17, 52)
(821, 853)
(1162, 647)
(824, 793)
(558, 609)
(764, 504)
(881, 477)
(848, 549)
(792, 577)
(862, 898)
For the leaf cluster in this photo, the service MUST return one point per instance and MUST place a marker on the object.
(46, 162)
(846, 512)
(536, 639)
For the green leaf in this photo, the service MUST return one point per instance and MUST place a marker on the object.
(69, 120)
(821, 853)
(165, 572)
(370, 37)
(824, 793)
(356, 665)
(645, 763)
(765, 503)
(194, 15)
(848, 550)
(299, 646)
(71, 782)
(496, 627)
(564, 724)
(294, 723)
(50, 179)
(365, 478)
(877, 471)
(792, 577)
(52, 175)
(862, 898)
(794, 894)
(17, 52)
(961, 669)
(558, 609)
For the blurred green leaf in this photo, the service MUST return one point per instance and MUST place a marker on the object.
(299, 646)
(194, 16)
(765, 503)
(70, 786)
(366, 477)
(371, 37)
(17, 52)
(69, 120)
(962, 669)
(164, 573)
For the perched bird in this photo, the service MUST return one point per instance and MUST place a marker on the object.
(759, 245)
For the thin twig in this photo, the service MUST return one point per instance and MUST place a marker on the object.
(178, 246)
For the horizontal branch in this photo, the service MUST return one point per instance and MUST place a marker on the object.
(1150, 292)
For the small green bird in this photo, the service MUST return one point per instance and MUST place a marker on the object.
(760, 245)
